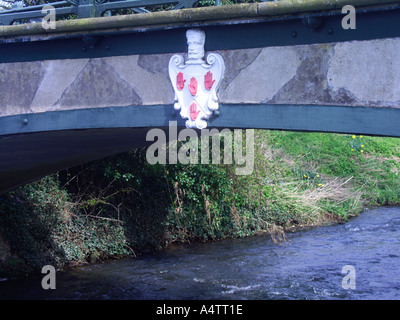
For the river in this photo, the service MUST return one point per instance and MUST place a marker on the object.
(308, 266)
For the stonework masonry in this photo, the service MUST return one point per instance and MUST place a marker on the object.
(358, 73)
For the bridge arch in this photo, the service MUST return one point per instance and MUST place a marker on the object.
(94, 87)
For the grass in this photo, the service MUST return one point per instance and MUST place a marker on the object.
(330, 174)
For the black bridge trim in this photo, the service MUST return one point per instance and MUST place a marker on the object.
(378, 121)
(35, 145)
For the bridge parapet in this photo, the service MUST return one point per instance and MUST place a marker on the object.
(287, 52)
(361, 73)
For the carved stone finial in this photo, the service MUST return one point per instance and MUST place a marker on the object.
(195, 40)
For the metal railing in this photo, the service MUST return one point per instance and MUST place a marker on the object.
(15, 13)
(83, 8)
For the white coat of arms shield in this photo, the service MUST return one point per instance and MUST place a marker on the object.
(196, 81)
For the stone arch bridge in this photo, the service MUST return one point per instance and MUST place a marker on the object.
(93, 87)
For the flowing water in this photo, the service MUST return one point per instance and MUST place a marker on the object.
(307, 266)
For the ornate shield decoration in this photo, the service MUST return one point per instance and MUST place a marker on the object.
(195, 81)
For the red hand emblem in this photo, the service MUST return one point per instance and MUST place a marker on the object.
(180, 82)
(193, 86)
(193, 111)
(208, 80)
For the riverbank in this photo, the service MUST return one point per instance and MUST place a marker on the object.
(122, 206)
(310, 265)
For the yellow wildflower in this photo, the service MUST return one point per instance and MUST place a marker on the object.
(352, 149)
(362, 150)
(361, 136)
(354, 137)
(362, 146)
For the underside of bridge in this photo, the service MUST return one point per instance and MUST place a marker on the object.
(35, 141)
(57, 140)
(30, 156)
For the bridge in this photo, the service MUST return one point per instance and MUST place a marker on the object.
(94, 86)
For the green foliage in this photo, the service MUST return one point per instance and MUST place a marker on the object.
(27, 216)
(122, 205)
(201, 195)
(373, 172)
(42, 227)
